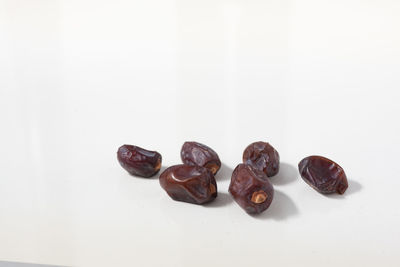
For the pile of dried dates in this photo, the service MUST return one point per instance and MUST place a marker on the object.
(194, 180)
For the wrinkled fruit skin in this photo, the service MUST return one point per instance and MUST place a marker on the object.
(323, 175)
(262, 156)
(193, 153)
(138, 161)
(251, 189)
(192, 184)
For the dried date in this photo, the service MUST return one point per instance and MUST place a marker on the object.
(262, 156)
(193, 153)
(138, 161)
(192, 184)
(323, 175)
(251, 189)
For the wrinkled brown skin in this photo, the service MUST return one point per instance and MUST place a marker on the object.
(262, 156)
(138, 161)
(193, 153)
(245, 182)
(192, 184)
(323, 175)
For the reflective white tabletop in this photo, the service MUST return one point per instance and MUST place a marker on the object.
(80, 78)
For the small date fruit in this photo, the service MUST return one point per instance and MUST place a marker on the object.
(262, 156)
(193, 153)
(192, 184)
(323, 175)
(138, 161)
(251, 189)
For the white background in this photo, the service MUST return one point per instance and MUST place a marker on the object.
(80, 78)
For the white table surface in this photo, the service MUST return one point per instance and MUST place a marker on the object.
(80, 78)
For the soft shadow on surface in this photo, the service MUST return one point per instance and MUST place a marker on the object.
(224, 173)
(223, 199)
(287, 174)
(353, 188)
(282, 207)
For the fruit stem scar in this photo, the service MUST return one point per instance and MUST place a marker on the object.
(158, 166)
(259, 197)
(212, 189)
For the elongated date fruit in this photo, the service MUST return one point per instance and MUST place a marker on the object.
(138, 161)
(251, 189)
(323, 175)
(262, 156)
(192, 184)
(193, 153)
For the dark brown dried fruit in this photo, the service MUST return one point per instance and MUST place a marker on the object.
(192, 184)
(262, 156)
(251, 189)
(323, 175)
(193, 153)
(138, 161)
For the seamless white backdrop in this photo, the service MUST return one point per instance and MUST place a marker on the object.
(80, 78)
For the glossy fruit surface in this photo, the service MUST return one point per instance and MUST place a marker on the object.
(193, 153)
(251, 189)
(192, 184)
(139, 161)
(262, 156)
(324, 175)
